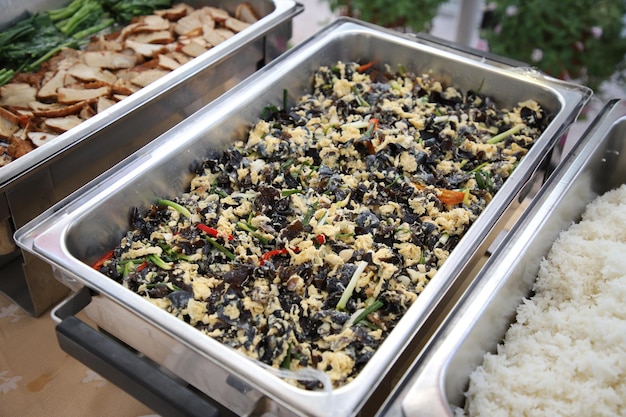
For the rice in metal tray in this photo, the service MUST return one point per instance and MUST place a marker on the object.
(303, 244)
(564, 354)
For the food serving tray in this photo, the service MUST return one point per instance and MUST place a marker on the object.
(594, 166)
(42, 177)
(77, 231)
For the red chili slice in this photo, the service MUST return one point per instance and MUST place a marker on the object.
(142, 266)
(98, 264)
(273, 252)
(211, 231)
(365, 67)
(282, 251)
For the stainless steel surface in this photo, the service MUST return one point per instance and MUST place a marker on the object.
(478, 322)
(36, 181)
(75, 232)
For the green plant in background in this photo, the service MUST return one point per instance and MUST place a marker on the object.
(578, 40)
(414, 15)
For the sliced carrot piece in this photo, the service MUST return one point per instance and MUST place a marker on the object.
(451, 196)
(98, 264)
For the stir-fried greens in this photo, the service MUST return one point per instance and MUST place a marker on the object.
(305, 243)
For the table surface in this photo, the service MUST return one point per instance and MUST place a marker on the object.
(38, 379)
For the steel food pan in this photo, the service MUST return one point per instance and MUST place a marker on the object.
(78, 230)
(36, 181)
(478, 322)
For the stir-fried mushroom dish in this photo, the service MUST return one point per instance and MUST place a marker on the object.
(304, 244)
(75, 85)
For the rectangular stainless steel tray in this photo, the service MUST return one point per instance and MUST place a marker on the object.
(78, 230)
(36, 181)
(595, 165)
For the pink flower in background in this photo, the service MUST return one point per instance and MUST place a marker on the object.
(482, 45)
(511, 10)
(579, 46)
(596, 32)
(536, 55)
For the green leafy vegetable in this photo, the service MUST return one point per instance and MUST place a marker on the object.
(18, 31)
(125, 10)
(93, 29)
(368, 310)
(66, 12)
(221, 248)
(347, 293)
(88, 14)
(5, 75)
(35, 39)
(32, 41)
(179, 208)
(500, 137)
(33, 65)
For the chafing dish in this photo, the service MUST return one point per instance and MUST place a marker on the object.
(75, 232)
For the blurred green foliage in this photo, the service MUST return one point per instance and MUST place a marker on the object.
(413, 15)
(578, 40)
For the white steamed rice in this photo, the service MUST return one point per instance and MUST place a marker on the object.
(566, 353)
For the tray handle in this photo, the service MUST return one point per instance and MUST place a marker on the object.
(136, 375)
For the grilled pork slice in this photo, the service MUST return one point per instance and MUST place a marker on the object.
(63, 124)
(246, 13)
(145, 78)
(17, 94)
(74, 85)
(192, 24)
(235, 25)
(84, 72)
(74, 95)
(9, 123)
(109, 59)
(176, 12)
(40, 138)
(50, 87)
(55, 109)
